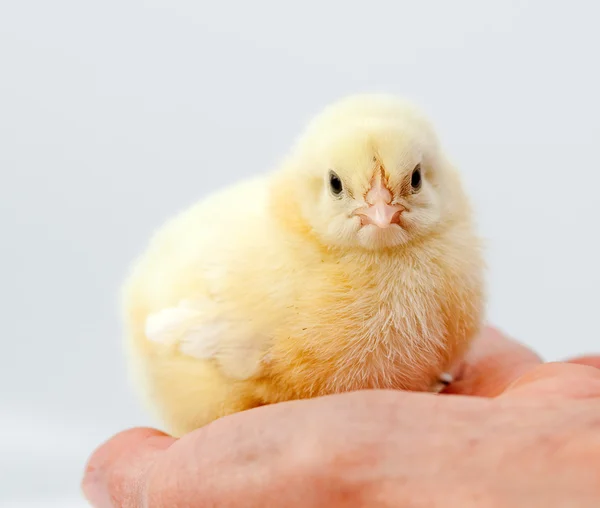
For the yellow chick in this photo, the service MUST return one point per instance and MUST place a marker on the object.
(355, 265)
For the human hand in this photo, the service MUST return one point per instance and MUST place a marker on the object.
(512, 432)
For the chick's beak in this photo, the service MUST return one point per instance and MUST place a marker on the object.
(379, 210)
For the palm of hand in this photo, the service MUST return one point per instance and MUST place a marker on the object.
(511, 431)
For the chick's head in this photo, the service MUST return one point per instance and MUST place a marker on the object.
(370, 174)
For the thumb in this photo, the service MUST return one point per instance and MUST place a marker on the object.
(115, 474)
(558, 380)
(590, 360)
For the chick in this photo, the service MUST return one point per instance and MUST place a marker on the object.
(354, 265)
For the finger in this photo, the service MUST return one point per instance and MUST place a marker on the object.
(564, 380)
(114, 475)
(492, 364)
(591, 360)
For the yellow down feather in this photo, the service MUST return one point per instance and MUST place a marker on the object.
(272, 290)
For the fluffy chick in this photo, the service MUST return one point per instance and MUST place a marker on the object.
(355, 265)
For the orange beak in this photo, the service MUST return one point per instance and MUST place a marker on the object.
(379, 210)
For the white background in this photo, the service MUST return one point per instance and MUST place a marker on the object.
(116, 114)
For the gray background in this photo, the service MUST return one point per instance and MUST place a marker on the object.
(116, 114)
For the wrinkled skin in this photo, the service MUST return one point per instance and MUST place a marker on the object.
(510, 432)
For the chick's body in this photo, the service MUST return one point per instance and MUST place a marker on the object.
(280, 287)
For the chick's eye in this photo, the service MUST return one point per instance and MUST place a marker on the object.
(335, 184)
(416, 179)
